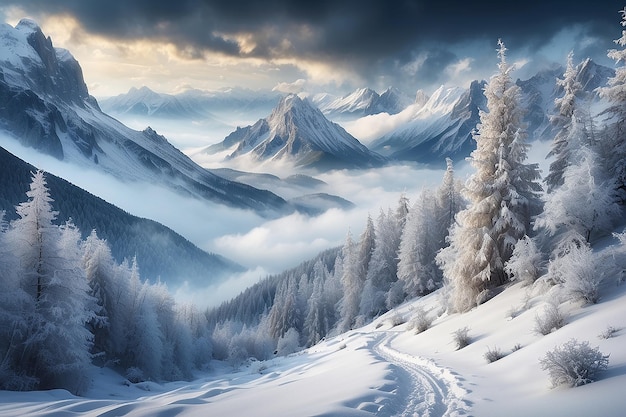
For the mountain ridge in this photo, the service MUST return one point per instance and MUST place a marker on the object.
(43, 111)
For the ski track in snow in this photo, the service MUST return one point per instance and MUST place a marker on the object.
(427, 389)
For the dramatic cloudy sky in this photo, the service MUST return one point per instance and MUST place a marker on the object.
(170, 45)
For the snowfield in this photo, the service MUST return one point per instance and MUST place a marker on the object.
(387, 370)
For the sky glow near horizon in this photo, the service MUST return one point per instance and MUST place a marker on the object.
(330, 46)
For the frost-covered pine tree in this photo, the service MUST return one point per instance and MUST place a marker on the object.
(502, 196)
(613, 145)
(424, 234)
(285, 313)
(584, 204)
(100, 270)
(419, 244)
(319, 311)
(142, 343)
(449, 198)
(13, 320)
(367, 243)
(56, 346)
(565, 107)
(383, 267)
(352, 286)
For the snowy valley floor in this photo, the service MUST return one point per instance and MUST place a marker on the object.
(387, 370)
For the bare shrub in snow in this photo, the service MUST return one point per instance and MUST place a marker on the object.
(420, 320)
(608, 333)
(516, 347)
(461, 337)
(574, 363)
(493, 354)
(396, 320)
(552, 319)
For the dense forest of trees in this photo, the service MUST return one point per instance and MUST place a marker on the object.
(66, 302)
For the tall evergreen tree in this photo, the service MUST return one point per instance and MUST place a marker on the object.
(502, 195)
(352, 286)
(583, 204)
(424, 234)
(319, 311)
(383, 267)
(613, 148)
(367, 243)
(56, 346)
(562, 120)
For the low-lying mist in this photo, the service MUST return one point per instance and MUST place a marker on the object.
(264, 246)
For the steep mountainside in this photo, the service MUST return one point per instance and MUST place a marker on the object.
(298, 133)
(439, 128)
(46, 106)
(161, 253)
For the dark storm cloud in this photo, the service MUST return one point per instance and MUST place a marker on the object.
(369, 34)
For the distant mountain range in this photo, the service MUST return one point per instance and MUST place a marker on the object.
(362, 102)
(46, 106)
(297, 133)
(433, 127)
(191, 104)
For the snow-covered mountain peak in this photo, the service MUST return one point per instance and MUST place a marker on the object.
(421, 98)
(442, 100)
(298, 133)
(290, 109)
(29, 59)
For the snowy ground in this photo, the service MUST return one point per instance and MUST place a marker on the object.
(387, 370)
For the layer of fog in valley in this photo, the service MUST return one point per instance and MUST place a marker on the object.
(262, 245)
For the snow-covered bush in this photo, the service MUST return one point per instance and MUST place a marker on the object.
(574, 363)
(551, 320)
(135, 375)
(420, 320)
(525, 262)
(289, 343)
(461, 337)
(579, 272)
(493, 354)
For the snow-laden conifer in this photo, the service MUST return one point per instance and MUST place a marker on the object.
(502, 196)
(613, 146)
(56, 344)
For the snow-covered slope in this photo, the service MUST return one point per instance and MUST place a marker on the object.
(438, 128)
(386, 369)
(298, 133)
(46, 106)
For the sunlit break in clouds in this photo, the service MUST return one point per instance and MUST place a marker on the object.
(337, 45)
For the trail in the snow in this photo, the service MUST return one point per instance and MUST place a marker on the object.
(427, 389)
